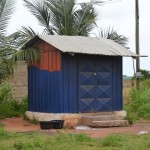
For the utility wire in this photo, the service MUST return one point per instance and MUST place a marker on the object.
(100, 3)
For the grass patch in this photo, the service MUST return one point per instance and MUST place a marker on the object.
(63, 141)
(112, 141)
(1, 125)
(10, 107)
(4, 135)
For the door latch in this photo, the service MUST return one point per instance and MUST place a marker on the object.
(94, 73)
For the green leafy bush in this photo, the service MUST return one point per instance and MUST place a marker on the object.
(139, 103)
(5, 92)
(10, 107)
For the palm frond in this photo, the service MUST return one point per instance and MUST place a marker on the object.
(27, 31)
(62, 15)
(6, 69)
(6, 10)
(40, 11)
(112, 34)
(85, 19)
(25, 34)
(68, 19)
(29, 55)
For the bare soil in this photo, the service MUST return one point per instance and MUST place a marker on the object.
(20, 125)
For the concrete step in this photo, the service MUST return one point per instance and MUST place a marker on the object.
(102, 118)
(99, 113)
(88, 119)
(109, 123)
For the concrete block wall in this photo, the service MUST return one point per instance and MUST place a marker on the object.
(19, 81)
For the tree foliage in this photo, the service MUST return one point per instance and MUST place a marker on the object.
(145, 73)
(110, 33)
(63, 17)
(6, 42)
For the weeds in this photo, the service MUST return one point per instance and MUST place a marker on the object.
(139, 103)
(10, 107)
(5, 92)
(32, 121)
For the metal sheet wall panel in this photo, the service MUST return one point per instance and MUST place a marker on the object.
(70, 94)
(117, 84)
(44, 90)
(45, 81)
(50, 57)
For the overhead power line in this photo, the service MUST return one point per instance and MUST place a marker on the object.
(103, 2)
(100, 2)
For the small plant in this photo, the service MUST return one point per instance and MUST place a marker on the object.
(131, 118)
(34, 120)
(25, 117)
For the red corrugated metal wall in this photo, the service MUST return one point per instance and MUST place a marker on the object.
(50, 57)
(44, 81)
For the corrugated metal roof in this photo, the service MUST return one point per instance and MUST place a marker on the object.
(84, 45)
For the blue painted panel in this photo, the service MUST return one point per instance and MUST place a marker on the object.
(120, 82)
(103, 101)
(86, 84)
(69, 90)
(44, 90)
(117, 83)
(95, 83)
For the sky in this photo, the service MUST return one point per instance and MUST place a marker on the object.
(120, 15)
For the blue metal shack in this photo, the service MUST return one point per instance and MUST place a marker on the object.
(76, 74)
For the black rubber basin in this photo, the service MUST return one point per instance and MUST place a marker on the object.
(46, 124)
(57, 124)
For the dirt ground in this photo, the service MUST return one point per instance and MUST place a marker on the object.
(20, 125)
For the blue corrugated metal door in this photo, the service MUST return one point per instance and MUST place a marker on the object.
(95, 84)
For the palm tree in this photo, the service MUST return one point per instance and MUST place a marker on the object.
(63, 17)
(6, 65)
(10, 44)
